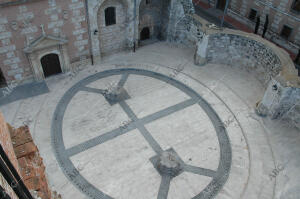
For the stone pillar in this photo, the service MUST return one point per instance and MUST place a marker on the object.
(200, 54)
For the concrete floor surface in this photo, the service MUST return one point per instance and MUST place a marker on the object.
(264, 154)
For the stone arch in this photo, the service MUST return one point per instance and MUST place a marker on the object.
(112, 38)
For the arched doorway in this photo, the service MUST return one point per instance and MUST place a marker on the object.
(2, 80)
(145, 34)
(50, 64)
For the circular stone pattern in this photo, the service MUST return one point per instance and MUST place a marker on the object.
(167, 162)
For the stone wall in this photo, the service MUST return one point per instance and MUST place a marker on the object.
(281, 102)
(165, 14)
(183, 27)
(240, 51)
(112, 38)
(20, 25)
(271, 64)
(150, 15)
(124, 28)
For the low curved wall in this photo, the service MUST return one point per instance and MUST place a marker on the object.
(240, 51)
(273, 66)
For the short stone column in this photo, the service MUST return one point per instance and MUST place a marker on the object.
(200, 54)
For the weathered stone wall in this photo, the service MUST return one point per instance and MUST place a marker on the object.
(20, 25)
(124, 28)
(281, 102)
(112, 38)
(165, 14)
(182, 26)
(150, 15)
(240, 51)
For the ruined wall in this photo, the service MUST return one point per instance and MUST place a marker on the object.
(20, 25)
(281, 102)
(30, 162)
(240, 51)
(182, 27)
(6, 143)
(24, 155)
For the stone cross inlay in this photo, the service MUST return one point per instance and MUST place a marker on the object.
(167, 162)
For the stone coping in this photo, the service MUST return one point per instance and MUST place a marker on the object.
(288, 76)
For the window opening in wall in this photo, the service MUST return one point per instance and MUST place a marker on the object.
(147, 2)
(286, 32)
(252, 14)
(2, 80)
(145, 34)
(51, 65)
(221, 4)
(296, 6)
(110, 16)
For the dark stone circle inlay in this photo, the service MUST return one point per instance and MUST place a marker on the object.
(63, 155)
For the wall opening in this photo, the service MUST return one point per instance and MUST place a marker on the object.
(286, 32)
(51, 64)
(145, 34)
(2, 80)
(296, 6)
(221, 4)
(252, 14)
(110, 16)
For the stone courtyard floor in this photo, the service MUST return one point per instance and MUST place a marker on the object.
(203, 118)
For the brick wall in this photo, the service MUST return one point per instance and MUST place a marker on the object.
(25, 157)
(6, 143)
(31, 164)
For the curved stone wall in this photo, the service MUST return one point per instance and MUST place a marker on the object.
(273, 66)
(241, 51)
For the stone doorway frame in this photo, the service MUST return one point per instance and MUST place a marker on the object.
(47, 44)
